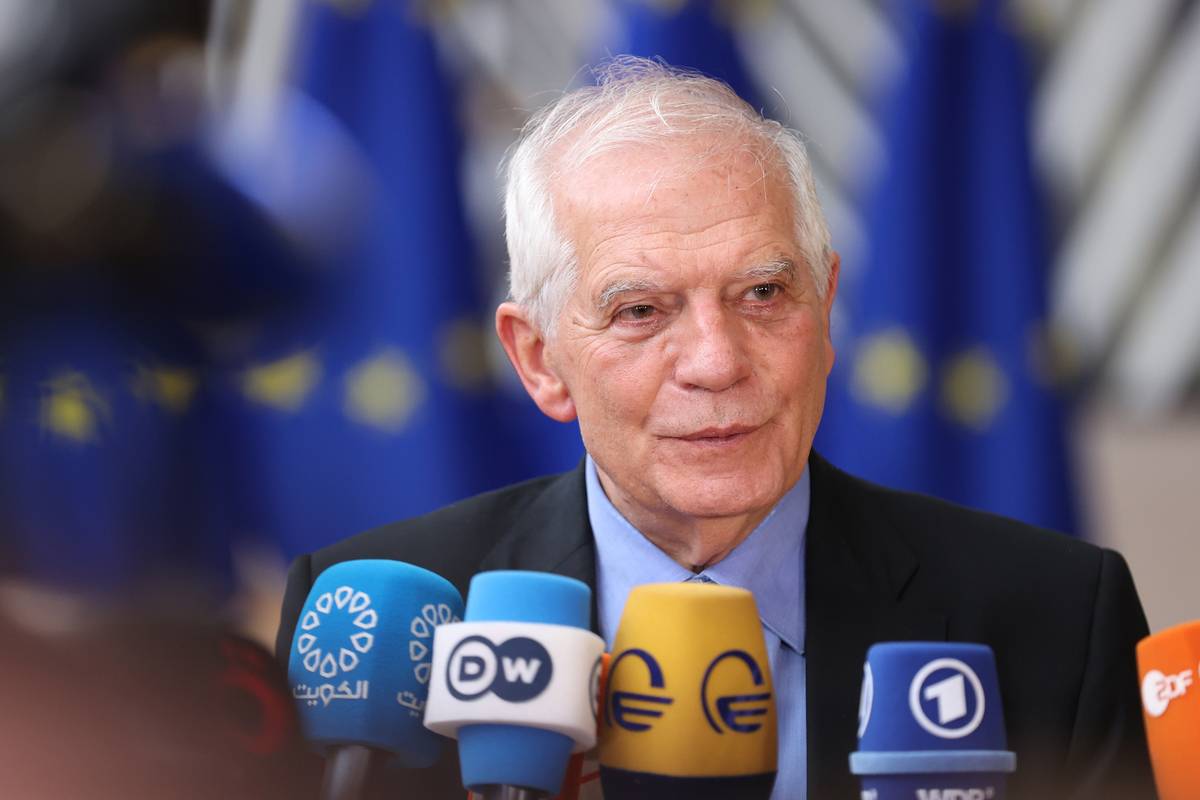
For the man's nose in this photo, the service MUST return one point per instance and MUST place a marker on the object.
(711, 353)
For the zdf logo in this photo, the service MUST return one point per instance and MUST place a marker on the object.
(516, 671)
(1158, 690)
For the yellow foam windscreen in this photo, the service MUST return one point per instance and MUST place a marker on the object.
(689, 692)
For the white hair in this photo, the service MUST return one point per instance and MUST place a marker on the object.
(635, 101)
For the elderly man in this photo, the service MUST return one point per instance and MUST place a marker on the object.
(671, 286)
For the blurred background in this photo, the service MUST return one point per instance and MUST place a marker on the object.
(250, 250)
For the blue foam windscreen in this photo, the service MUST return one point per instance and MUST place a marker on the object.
(511, 755)
(930, 717)
(360, 661)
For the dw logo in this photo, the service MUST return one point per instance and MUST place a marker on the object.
(516, 671)
(623, 708)
(349, 612)
(948, 691)
(752, 704)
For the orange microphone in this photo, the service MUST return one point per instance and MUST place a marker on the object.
(1168, 663)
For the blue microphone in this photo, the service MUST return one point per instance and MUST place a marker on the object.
(360, 666)
(516, 682)
(930, 723)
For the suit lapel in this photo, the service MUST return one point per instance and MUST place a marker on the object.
(856, 572)
(553, 534)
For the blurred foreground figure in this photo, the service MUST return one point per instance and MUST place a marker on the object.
(100, 708)
(128, 240)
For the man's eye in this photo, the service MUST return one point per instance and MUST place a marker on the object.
(635, 313)
(765, 291)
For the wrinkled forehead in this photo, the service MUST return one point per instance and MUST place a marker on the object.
(669, 177)
(658, 216)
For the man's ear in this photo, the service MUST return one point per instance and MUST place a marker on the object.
(835, 269)
(526, 348)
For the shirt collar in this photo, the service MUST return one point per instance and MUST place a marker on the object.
(769, 562)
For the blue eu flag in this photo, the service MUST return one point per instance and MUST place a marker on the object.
(379, 402)
(943, 382)
(696, 34)
(108, 458)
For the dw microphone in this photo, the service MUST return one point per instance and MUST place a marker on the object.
(360, 666)
(689, 708)
(515, 682)
(930, 723)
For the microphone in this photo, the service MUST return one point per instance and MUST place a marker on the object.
(516, 681)
(583, 769)
(253, 682)
(1167, 665)
(360, 666)
(689, 709)
(930, 723)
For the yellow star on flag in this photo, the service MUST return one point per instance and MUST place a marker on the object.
(383, 391)
(889, 371)
(973, 388)
(284, 384)
(71, 408)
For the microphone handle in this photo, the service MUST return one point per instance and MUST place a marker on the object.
(346, 771)
(497, 791)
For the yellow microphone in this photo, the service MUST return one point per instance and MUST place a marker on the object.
(689, 710)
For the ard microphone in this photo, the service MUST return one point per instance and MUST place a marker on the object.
(1168, 663)
(360, 666)
(689, 707)
(516, 681)
(930, 723)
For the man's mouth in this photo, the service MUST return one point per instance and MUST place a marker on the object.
(718, 435)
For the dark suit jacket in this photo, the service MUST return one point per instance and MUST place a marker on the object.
(1061, 615)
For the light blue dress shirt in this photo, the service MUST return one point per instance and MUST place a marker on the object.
(769, 562)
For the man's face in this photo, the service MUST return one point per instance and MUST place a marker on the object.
(695, 348)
